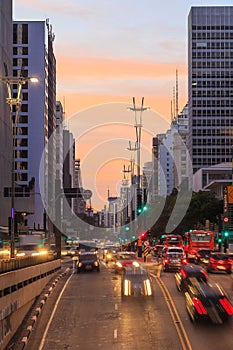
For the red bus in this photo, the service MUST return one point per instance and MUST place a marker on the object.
(197, 239)
(171, 240)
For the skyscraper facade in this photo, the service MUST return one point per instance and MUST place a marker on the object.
(5, 118)
(210, 85)
(33, 56)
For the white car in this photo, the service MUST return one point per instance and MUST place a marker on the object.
(174, 250)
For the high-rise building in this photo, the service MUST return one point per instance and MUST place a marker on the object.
(33, 56)
(210, 85)
(5, 118)
(68, 179)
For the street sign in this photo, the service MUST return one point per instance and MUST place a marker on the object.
(146, 250)
(230, 194)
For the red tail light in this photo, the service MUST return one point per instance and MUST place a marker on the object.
(198, 255)
(166, 260)
(205, 273)
(226, 305)
(184, 261)
(183, 273)
(199, 306)
(212, 260)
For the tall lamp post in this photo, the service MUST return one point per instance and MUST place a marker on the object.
(138, 128)
(14, 99)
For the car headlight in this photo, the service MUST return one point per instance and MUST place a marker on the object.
(147, 285)
(127, 287)
(79, 264)
(109, 256)
(119, 264)
(96, 263)
(136, 264)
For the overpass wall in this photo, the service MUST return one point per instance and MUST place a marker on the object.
(18, 291)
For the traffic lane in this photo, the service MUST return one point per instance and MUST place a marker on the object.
(145, 322)
(202, 336)
(86, 313)
(91, 314)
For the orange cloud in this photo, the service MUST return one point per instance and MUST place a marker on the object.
(98, 81)
(95, 81)
(70, 67)
(75, 102)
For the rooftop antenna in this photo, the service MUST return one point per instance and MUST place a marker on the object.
(174, 102)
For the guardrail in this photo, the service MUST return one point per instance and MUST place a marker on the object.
(7, 265)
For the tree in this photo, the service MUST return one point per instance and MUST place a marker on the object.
(203, 206)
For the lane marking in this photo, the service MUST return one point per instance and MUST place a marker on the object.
(174, 314)
(115, 334)
(52, 315)
(116, 306)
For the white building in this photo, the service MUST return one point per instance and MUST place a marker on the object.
(214, 178)
(5, 120)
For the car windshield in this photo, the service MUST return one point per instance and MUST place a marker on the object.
(175, 256)
(87, 257)
(204, 252)
(198, 275)
(175, 250)
(199, 237)
(219, 257)
(126, 256)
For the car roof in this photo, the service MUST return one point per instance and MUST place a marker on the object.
(205, 249)
(207, 290)
(192, 269)
(175, 248)
(88, 253)
(135, 271)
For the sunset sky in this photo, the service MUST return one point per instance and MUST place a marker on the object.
(108, 51)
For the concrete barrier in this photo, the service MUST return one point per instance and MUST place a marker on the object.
(18, 291)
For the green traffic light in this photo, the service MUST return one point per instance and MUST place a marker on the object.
(226, 233)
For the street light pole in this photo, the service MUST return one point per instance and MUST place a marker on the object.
(17, 102)
(138, 128)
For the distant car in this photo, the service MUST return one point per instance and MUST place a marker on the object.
(136, 282)
(202, 256)
(88, 261)
(109, 253)
(125, 259)
(189, 273)
(219, 262)
(157, 250)
(173, 250)
(207, 302)
(173, 261)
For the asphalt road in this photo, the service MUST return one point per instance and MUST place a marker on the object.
(86, 311)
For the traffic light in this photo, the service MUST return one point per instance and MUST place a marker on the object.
(226, 234)
(139, 202)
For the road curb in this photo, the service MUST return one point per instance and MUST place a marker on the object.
(27, 332)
